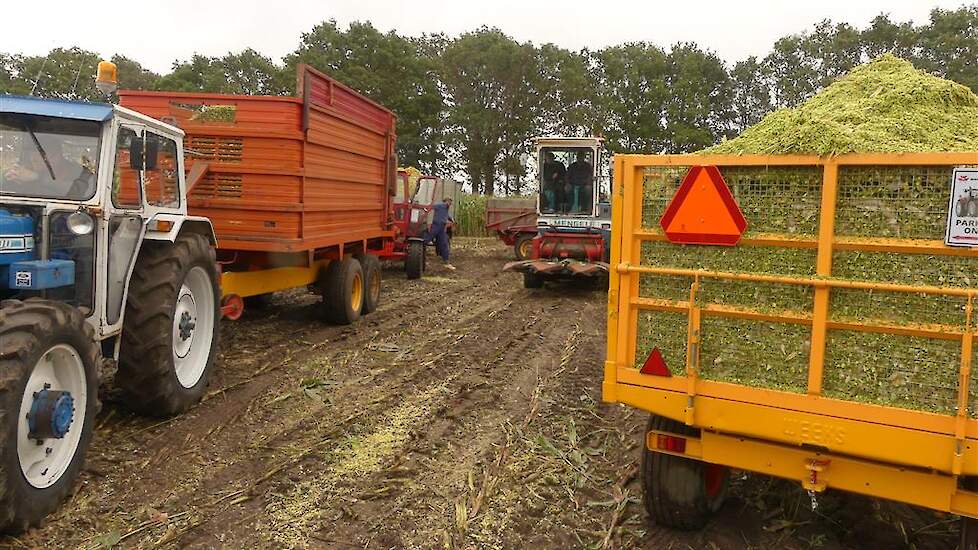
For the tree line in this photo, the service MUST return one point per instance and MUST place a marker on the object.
(471, 104)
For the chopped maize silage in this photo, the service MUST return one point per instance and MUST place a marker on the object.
(884, 106)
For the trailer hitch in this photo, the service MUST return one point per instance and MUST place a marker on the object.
(813, 483)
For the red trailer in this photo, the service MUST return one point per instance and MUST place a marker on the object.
(515, 222)
(298, 188)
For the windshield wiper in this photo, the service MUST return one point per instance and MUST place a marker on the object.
(44, 155)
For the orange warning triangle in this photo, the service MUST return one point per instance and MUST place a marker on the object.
(703, 211)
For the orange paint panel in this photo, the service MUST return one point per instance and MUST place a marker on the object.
(286, 173)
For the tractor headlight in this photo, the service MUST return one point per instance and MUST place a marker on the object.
(80, 223)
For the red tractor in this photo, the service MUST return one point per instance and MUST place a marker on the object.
(412, 206)
(573, 214)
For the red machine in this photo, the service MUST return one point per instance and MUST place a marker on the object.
(411, 211)
(515, 222)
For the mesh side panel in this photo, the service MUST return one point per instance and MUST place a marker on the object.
(893, 201)
(796, 262)
(897, 308)
(897, 371)
(664, 330)
(764, 355)
(973, 387)
(775, 199)
(664, 288)
(661, 183)
(906, 269)
(764, 296)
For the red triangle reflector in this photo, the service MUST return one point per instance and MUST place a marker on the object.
(655, 364)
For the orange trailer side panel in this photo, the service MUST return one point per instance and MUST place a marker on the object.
(285, 174)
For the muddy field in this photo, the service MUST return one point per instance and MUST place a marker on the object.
(464, 413)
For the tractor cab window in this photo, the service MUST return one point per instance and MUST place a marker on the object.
(48, 157)
(567, 180)
(160, 182)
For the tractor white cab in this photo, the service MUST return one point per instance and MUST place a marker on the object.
(573, 212)
(100, 268)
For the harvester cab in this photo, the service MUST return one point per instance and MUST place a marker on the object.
(573, 213)
(99, 265)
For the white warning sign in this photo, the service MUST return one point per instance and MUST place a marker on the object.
(962, 210)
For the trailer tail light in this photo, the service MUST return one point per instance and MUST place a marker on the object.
(656, 365)
(671, 443)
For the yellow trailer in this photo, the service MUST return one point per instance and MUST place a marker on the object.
(832, 345)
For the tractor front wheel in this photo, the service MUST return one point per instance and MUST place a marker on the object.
(170, 333)
(414, 263)
(48, 400)
(680, 492)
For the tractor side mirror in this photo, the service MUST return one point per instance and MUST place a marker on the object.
(143, 153)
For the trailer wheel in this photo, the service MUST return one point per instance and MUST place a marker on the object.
(372, 277)
(343, 291)
(680, 493)
(170, 333)
(414, 264)
(523, 247)
(48, 401)
(532, 280)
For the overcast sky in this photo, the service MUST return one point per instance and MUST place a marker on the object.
(157, 33)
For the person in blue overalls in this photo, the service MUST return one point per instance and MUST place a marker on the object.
(438, 232)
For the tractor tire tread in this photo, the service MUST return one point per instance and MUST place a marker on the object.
(146, 374)
(27, 329)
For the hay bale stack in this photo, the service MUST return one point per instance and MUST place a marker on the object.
(884, 106)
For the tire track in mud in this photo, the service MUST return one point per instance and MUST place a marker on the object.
(138, 465)
(405, 397)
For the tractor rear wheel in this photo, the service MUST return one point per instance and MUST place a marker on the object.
(343, 291)
(170, 333)
(372, 277)
(48, 401)
(532, 280)
(523, 247)
(414, 264)
(679, 492)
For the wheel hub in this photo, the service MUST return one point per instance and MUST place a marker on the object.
(51, 414)
(187, 325)
(184, 322)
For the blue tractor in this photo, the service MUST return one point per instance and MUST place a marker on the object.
(100, 267)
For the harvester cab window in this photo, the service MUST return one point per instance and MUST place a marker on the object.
(161, 182)
(45, 157)
(567, 180)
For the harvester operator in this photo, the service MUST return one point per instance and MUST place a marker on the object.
(438, 232)
(554, 178)
(580, 179)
